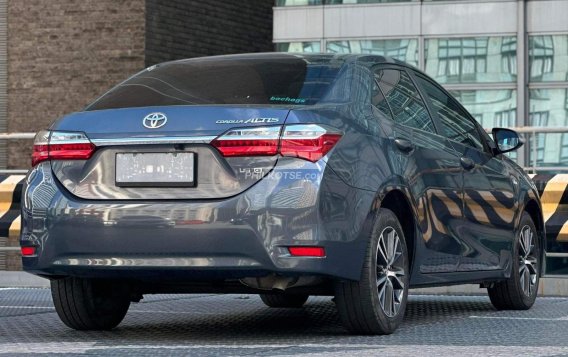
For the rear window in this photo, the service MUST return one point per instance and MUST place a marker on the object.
(288, 80)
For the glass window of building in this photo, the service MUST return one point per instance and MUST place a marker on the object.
(314, 46)
(471, 59)
(405, 102)
(548, 58)
(492, 108)
(298, 2)
(549, 107)
(331, 2)
(402, 49)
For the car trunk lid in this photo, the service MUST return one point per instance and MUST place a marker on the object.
(181, 134)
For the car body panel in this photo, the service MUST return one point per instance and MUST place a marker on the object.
(490, 208)
(236, 237)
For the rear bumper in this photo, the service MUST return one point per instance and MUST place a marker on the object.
(247, 235)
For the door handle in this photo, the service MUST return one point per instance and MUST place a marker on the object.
(404, 145)
(467, 163)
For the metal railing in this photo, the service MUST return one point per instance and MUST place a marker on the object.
(15, 136)
(532, 145)
(530, 134)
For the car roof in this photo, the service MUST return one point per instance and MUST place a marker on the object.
(363, 59)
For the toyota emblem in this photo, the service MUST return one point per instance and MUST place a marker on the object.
(155, 120)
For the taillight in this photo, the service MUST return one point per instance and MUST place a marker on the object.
(309, 142)
(306, 141)
(59, 145)
(260, 141)
(40, 152)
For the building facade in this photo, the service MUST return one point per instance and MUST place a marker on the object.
(505, 60)
(56, 56)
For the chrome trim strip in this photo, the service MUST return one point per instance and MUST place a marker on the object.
(59, 142)
(249, 137)
(154, 140)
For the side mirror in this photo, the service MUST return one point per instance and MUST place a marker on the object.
(506, 140)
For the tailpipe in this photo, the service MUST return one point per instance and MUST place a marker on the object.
(280, 283)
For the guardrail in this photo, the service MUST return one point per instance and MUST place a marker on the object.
(533, 131)
(15, 136)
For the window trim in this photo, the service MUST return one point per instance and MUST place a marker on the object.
(383, 94)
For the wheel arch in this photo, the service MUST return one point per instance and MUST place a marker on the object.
(533, 208)
(396, 200)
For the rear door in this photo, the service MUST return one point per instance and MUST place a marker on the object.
(430, 166)
(489, 188)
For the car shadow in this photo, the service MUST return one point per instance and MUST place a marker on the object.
(182, 321)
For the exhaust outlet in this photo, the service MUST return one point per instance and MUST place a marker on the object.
(280, 283)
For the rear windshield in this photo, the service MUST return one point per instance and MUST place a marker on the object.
(280, 80)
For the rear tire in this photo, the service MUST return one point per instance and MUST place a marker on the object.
(84, 304)
(520, 290)
(284, 300)
(375, 305)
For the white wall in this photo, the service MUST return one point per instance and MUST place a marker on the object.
(547, 16)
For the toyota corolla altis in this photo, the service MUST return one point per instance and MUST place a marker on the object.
(284, 175)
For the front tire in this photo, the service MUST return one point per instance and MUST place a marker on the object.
(375, 305)
(520, 290)
(284, 300)
(85, 304)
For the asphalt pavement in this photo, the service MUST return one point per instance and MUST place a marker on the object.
(240, 325)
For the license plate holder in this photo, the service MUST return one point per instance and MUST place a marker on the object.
(155, 169)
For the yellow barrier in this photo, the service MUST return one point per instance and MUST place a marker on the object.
(10, 221)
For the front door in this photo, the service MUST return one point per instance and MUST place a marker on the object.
(488, 194)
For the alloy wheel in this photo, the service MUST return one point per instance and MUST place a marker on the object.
(390, 271)
(528, 269)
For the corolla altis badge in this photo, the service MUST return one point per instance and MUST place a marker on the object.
(247, 121)
(155, 120)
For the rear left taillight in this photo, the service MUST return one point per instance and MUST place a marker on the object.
(60, 145)
(306, 141)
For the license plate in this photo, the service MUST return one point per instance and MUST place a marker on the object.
(155, 169)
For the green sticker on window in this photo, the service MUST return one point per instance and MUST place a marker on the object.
(288, 100)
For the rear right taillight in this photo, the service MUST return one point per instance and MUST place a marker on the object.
(305, 141)
(60, 145)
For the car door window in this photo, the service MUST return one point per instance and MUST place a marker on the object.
(456, 124)
(404, 100)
